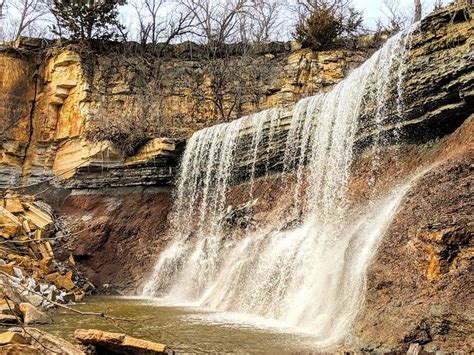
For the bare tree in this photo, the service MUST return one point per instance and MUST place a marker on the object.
(217, 22)
(396, 18)
(156, 25)
(418, 9)
(438, 4)
(149, 22)
(2, 19)
(2, 7)
(262, 21)
(29, 12)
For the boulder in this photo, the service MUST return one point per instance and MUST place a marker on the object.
(118, 343)
(9, 224)
(15, 349)
(14, 205)
(65, 281)
(9, 337)
(7, 268)
(38, 217)
(16, 342)
(9, 291)
(32, 315)
(32, 298)
(6, 307)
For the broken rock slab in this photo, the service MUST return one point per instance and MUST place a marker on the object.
(35, 341)
(32, 315)
(9, 337)
(118, 343)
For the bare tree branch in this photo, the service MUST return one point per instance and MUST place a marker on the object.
(29, 12)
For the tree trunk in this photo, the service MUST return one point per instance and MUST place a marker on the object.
(417, 10)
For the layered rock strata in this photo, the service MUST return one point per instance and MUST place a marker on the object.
(52, 102)
(69, 94)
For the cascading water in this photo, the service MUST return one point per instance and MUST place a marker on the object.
(312, 276)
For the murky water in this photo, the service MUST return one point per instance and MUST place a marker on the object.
(184, 329)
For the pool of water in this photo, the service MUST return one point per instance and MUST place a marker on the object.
(183, 329)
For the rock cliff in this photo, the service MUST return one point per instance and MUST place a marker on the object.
(58, 106)
(121, 201)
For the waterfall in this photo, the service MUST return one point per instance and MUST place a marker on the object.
(311, 276)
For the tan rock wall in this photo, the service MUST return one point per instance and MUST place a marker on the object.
(16, 93)
(67, 92)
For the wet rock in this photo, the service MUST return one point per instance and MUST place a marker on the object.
(239, 217)
(118, 343)
(419, 283)
(15, 349)
(32, 315)
(8, 319)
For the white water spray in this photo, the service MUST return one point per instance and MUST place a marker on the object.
(312, 276)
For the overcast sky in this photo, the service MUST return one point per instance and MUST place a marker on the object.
(373, 10)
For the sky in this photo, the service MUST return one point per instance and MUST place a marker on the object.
(373, 10)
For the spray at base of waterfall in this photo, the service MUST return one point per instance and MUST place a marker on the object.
(311, 277)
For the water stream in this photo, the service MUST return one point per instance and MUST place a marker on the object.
(312, 276)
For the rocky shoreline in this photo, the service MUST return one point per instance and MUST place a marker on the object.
(33, 282)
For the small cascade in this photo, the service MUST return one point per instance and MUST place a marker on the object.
(272, 125)
(258, 121)
(311, 276)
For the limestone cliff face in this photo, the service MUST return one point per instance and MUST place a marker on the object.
(438, 91)
(16, 94)
(418, 284)
(51, 116)
(51, 102)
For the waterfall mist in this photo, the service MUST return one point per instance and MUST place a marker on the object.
(311, 276)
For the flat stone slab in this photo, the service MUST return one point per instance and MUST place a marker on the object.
(119, 343)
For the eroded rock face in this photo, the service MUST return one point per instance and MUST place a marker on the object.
(419, 284)
(120, 231)
(420, 281)
(69, 94)
(437, 89)
(50, 101)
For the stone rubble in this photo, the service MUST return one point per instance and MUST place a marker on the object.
(30, 277)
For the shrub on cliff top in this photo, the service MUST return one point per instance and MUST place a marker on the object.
(323, 23)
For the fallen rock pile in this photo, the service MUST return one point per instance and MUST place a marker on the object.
(28, 233)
